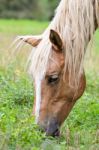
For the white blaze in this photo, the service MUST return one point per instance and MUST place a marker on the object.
(38, 97)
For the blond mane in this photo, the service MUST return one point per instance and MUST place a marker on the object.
(75, 22)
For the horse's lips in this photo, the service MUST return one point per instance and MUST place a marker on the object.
(56, 133)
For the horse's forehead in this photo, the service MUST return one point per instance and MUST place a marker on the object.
(55, 63)
(57, 55)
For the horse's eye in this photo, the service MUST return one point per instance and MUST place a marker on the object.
(53, 79)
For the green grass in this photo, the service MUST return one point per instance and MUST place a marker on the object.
(13, 27)
(18, 130)
(96, 45)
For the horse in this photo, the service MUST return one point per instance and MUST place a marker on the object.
(57, 61)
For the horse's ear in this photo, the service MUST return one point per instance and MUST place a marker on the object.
(56, 40)
(32, 40)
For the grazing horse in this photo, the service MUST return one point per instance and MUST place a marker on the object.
(56, 63)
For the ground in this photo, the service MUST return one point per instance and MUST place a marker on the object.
(18, 130)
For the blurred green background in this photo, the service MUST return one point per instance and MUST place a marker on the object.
(31, 9)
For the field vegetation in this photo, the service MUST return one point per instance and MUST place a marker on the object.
(18, 130)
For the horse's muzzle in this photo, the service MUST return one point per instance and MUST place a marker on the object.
(53, 128)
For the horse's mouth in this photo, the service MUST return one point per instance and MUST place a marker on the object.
(56, 133)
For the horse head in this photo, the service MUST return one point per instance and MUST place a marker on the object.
(55, 96)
